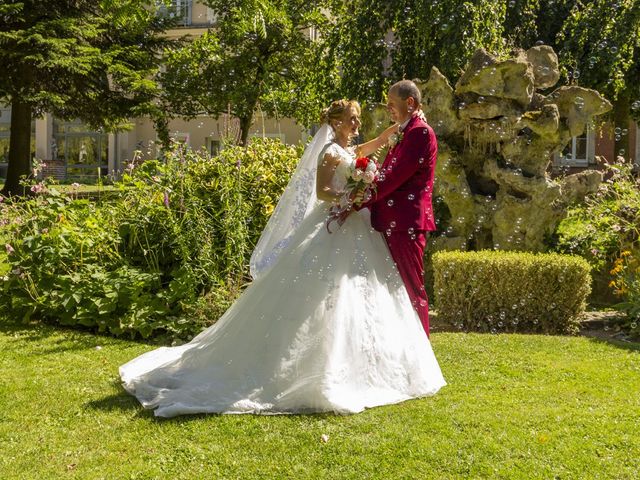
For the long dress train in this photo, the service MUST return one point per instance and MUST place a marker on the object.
(329, 328)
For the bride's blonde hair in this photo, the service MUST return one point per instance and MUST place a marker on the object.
(335, 111)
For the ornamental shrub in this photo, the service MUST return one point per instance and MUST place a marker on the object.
(604, 226)
(495, 291)
(166, 255)
(626, 286)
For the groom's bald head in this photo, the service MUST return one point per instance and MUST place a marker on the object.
(406, 89)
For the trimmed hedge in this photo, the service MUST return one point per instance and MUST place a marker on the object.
(493, 291)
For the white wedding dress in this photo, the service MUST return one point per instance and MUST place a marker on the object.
(329, 327)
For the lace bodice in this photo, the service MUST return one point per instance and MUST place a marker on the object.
(343, 170)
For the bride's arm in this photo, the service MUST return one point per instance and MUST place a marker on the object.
(326, 170)
(366, 149)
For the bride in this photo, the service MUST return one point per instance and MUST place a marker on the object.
(326, 325)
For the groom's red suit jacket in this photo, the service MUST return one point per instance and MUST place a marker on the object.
(403, 197)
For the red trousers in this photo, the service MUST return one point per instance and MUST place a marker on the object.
(407, 251)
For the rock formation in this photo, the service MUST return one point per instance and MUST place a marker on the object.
(497, 135)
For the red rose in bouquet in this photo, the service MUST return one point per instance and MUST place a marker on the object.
(362, 162)
(360, 183)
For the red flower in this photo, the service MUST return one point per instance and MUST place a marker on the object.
(362, 162)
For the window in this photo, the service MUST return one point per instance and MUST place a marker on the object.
(579, 152)
(180, 10)
(83, 151)
(213, 146)
(5, 134)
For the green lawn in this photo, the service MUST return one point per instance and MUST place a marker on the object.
(4, 266)
(82, 189)
(517, 406)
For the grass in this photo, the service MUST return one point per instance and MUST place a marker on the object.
(4, 266)
(517, 406)
(83, 188)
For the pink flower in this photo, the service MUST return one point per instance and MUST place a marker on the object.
(39, 188)
(9, 248)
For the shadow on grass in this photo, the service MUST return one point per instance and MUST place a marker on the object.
(633, 346)
(41, 333)
(121, 401)
(77, 336)
(125, 402)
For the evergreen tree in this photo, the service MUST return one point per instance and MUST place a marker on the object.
(92, 60)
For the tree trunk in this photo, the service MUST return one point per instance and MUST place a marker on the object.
(245, 121)
(19, 148)
(621, 116)
(161, 125)
(245, 125)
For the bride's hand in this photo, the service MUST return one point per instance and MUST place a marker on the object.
(384, 136)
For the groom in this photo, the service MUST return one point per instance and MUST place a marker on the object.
(401, 207)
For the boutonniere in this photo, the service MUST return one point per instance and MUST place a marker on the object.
(395, 139)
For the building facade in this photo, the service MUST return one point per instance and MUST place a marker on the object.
(589, 150)
(74, 152)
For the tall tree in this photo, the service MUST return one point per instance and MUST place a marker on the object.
(259, 55)
(92, 60)
(601, 40)
(376, 42)
(536, 21)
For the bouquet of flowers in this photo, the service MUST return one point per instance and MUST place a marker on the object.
(360, 183)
